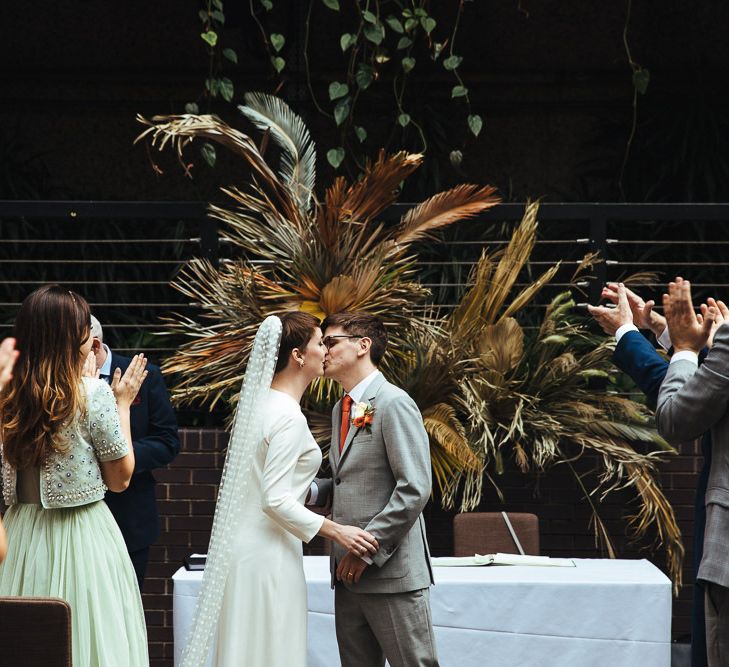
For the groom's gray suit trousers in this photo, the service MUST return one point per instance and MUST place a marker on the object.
(375, 626)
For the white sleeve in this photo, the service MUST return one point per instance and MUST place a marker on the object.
(622, 330)
(664, 340)
(279, 503)
(688, 355)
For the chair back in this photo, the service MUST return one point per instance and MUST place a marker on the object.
(487, 533)
(35, 632)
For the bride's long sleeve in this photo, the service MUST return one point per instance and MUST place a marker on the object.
(278, 499)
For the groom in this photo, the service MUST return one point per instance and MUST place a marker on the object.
(380, 460)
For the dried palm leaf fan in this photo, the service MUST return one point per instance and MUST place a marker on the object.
(321, 257)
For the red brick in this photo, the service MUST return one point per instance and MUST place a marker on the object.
(173, 476)
(173, 507)
(196, 491)
(204, 476)
(196, 460)
(154, 617)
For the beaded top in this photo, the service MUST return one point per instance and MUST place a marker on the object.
(72, 477)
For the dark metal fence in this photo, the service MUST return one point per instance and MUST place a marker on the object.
(120, 255)
(123, 255)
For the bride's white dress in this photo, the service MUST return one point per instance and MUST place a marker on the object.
(263, 618)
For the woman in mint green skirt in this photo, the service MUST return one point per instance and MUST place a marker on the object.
(65, 440)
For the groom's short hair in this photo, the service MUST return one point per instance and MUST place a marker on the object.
(361, 324)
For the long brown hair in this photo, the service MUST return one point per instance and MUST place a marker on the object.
(45, 391)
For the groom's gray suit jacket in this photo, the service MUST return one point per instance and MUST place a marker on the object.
(381, 482)
(692, 400)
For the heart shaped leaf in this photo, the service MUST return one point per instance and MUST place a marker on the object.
(335, 157)
(337, 90)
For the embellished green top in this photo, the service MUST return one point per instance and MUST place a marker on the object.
(72, 476)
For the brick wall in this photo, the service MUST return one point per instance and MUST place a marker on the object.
(187, 491)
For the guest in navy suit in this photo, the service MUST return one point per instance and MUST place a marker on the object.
(156, 443)
(635, 356)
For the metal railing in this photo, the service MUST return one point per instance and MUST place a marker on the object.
(123, 255)
(120, 255)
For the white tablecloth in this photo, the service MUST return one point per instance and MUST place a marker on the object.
(601, 613)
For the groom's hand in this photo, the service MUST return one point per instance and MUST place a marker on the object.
(350, 569)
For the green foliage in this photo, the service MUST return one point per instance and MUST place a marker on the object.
(389, 46)
(335, 157)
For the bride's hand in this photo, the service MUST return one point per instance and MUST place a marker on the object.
(125, 387)
(357, 541)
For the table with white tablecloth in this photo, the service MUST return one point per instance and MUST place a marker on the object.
(600, 613)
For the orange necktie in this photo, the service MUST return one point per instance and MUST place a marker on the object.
(344, 427)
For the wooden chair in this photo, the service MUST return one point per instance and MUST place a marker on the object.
(488, 533)
(35, 632)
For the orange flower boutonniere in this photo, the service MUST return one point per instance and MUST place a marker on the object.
(363, 415)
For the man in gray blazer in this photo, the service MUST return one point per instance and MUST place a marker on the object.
(692, 399)
(380, 460)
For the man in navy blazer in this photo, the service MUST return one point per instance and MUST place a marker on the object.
(156, 443)
(635, 356)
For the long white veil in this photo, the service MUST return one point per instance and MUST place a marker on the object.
(233, 485)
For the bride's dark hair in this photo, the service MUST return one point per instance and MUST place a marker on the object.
(297, 328)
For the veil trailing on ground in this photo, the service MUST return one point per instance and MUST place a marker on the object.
(233, 484)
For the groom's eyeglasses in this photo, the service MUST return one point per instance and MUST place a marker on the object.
(331, 341)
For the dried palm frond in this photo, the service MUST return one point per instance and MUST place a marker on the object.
(298, 164)
(379, 186)
(179, 131)
(544, 404)
(302, 255)
(459, 203)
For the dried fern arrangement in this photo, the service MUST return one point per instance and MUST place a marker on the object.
(488, 390)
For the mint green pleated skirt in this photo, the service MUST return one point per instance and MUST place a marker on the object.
(78, 554)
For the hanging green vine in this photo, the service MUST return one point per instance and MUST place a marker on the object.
(384, 43)
(212, 20)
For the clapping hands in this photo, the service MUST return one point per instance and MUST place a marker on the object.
(690, 331)
(126, 387)
(629, 309)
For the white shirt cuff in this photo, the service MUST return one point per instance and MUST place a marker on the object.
(313, 494)
(367, 560)
(687, 355)
(623, 330)
(664, 340)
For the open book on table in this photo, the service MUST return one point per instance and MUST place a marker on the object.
(501, 559)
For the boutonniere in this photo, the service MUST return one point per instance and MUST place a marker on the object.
(363, 415)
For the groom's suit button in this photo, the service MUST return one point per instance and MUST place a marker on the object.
(337, 481)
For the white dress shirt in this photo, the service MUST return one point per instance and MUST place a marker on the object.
(664, 340)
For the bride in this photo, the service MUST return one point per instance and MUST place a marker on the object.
(253, 596)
